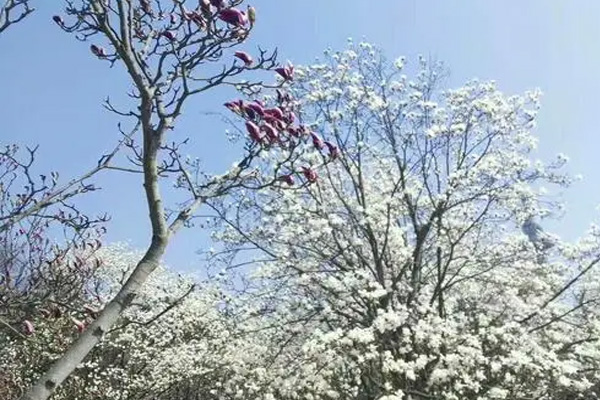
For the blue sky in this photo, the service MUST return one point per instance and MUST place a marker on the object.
(52, 88)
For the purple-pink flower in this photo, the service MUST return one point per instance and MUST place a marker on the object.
(98, 51)
(287, 72)
(274, 121)
(169, 35)
(317, 141)
(236, 106)
(334, 152)
(288, 178)
(254, 131)
(293, 131)
(28, 327)
(309, 174)
(290, 117)
(256, 108)
(271, 132)
(233, 17)
(275, 112)
(245, 57)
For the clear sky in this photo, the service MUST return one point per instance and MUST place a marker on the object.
(51, 88)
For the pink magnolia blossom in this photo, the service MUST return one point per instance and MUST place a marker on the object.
(334, 152)
(274, 122)
(245, 57)
(310, 174)
(293, 131)
(254, 131)
(169, 35)
(255, 108)
(28, 328)
(288, 178)
(274, 112)
(236, 106)
(98, 51)
(290, 117)
(271, 132)
(287, 72)
(233, 16)
(317, 141)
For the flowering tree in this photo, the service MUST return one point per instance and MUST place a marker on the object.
(32, 208)
(401, 272)
(178, 340)
(41, 306)
(172, 51)
(37, 273)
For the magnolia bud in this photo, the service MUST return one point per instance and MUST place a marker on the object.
(289, 179)
(309, 174)
(287, 72)
(58, 19)
(98, 51)
(257, 108)
(275, 112)
(233, 17)
(317, 142)
(251, 15)
(169, 35)
(28, 328)
(254, 131)
(245, 57)
(271, 132)
(334, 152)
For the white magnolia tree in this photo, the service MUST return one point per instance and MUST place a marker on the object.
(182, 339)
(400, 271)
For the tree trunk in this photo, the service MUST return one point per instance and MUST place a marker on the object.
(74, 355)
